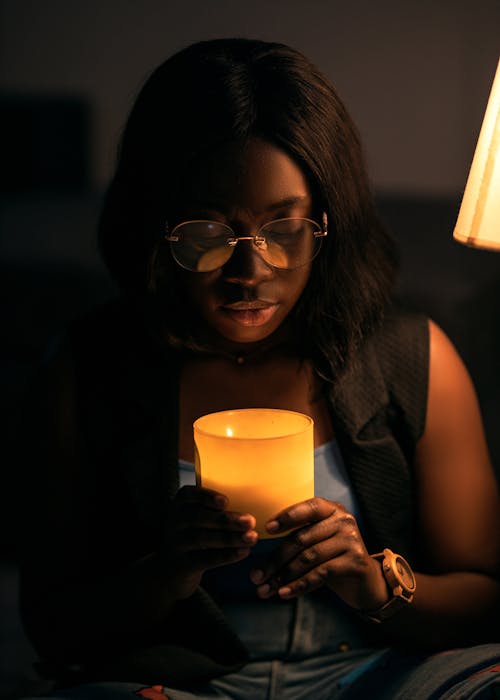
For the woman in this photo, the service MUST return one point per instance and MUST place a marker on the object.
(254, 272)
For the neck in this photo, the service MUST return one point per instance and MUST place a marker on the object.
(281, 342)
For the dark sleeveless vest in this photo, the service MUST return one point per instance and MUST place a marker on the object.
(127, 398)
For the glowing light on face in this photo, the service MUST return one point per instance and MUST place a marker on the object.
(224, 187)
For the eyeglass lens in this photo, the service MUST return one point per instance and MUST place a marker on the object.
(203, 246)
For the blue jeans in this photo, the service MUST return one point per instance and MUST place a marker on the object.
(460, 674)
(313, 650)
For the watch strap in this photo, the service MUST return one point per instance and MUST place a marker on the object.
(387, 610)
(400, 597)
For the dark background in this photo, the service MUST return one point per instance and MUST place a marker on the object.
(415, 76)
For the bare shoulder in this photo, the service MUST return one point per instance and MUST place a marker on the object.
(455, 477)
(452, 399)
(452, 405)
(445, 361)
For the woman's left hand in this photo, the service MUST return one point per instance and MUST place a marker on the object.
(325, 548)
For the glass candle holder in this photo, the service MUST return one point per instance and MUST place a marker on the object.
(262, 459)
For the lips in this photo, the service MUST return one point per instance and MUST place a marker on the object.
(250, 313)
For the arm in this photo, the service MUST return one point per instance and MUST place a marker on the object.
(459, 526)
(78, 595)
(459, 513)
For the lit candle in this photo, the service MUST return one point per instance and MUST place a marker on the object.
(262, 459)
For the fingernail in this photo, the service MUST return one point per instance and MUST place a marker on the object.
(247, 521)
(250, 536)
(272, 526)
(256, 576)
(220, 501)
(285, 591)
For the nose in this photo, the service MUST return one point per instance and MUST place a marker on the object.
(246, 266)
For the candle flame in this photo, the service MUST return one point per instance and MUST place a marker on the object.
(229, 432)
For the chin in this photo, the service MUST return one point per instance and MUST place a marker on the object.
(245, 334)
(250, 335)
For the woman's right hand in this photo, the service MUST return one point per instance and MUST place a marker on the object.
(201, 534)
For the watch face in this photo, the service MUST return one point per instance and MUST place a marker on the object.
(405, 573)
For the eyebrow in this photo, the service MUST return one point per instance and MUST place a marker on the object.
(275, 206)
(289, 202)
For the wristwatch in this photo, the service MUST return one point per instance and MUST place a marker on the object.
(400, 580)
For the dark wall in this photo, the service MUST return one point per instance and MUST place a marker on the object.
(415, 75)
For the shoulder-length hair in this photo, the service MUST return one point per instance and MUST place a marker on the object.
(227, 90)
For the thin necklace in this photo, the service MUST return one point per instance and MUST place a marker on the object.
(244, 357)
(279, 343)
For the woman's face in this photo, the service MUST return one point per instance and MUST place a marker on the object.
(245, 300)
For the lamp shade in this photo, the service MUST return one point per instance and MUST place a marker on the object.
(478, 222)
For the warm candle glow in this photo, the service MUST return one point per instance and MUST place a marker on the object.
(262, 459)
(478, 221)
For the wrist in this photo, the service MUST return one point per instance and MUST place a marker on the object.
(382, 593)
(400, 586)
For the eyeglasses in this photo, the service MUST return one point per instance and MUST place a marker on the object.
(204, 246)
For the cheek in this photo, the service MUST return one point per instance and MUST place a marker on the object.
(301, 278)
(203, 289)
(199, 287)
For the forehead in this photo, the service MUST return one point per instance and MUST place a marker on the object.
(254, 176)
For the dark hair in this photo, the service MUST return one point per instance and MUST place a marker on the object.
(214, 92)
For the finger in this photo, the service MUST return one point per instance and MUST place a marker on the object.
(341, 568)
(344, 548)
(302, 544)
(193, 516)
(312, 581)
(301, 514)
(201, 496)
(292, 546)
(306, 561)
(195, 539)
